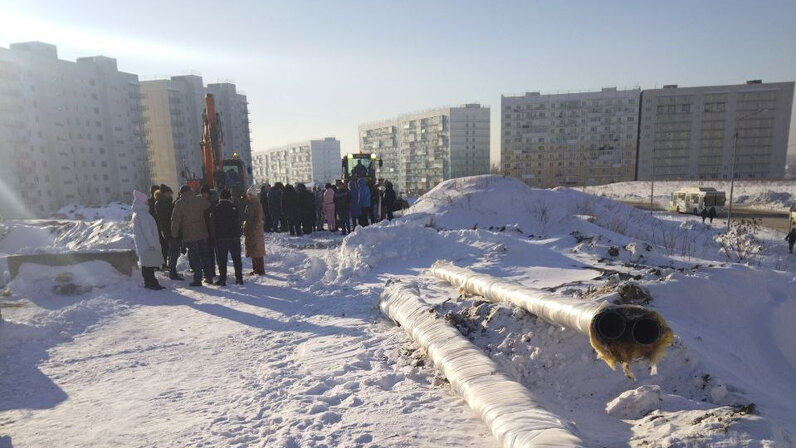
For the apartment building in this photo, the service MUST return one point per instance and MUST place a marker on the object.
(309, 162)
(233, 108)
(420, 150)
(584, 138)
(173, 111)
(690, 132)
(71, 132)
(173, 122)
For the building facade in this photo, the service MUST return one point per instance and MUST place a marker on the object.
(173, 111)
(420, 150)
(690, 133)
(233, 108)
(173, 122)
(309, 162)
(71, 132)
(585, 138)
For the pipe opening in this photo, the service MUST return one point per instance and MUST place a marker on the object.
(610, 325)
(646, 331)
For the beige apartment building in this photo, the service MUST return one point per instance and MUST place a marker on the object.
(173, 115)
(690, 132)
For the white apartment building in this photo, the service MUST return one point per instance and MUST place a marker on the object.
(173, 114)
(420, 150)
(309, 162)
(584, 138)
(690, 132)
(234, 112)
(70, 132)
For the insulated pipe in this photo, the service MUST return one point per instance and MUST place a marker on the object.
(510, 411)
(619, 333)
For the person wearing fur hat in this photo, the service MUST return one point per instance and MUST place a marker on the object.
(254, 243)
(147, 240)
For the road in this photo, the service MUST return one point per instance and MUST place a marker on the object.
(772, 219)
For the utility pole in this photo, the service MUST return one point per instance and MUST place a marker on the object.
(734, 157)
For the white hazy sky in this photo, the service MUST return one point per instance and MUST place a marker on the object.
(313, 69)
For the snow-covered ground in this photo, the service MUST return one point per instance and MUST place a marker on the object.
(765, 195)
(303, 357)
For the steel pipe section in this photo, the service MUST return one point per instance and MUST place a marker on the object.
(619, 333)
(510, 411)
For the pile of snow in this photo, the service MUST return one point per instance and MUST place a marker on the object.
(63, 236)
(753, 194)
(115, 211)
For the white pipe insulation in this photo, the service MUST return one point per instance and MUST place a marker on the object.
(510, 411)
(619, 333)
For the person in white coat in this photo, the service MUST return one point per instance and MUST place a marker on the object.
(147, 240)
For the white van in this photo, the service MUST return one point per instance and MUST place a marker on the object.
(695, 199)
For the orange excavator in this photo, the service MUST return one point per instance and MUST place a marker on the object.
(218, 173)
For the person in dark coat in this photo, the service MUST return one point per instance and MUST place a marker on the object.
(306, 208)
(275, 207)
(319, 214)
(342, 204)
(388, 202)
(364, 202)
(226, 222)
(354, 207)
(211, 197)
(711, 214)
(151, 200)
(704, 214)
(264, 203)
(164, 206)
(375, 197)
(290, 212)
(791, 239)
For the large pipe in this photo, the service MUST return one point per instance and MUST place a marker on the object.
(510, 411)
(619, 333)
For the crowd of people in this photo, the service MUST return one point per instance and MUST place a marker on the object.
(340, 206)
(208, 226)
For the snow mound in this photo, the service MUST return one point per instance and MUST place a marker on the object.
(99, 234)
(115, 211)
(635, 403)
(501, 203)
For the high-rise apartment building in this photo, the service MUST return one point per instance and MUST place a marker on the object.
(173, 122)
(71, 132)
(233, 108)
(173, 111)
(584, 138)
(309, 162)
(690, 132)
(420, 150)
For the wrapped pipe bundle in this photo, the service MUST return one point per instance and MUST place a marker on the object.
(618, 333)
(510, 411)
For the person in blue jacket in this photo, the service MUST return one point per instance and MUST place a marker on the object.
(364, 202)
